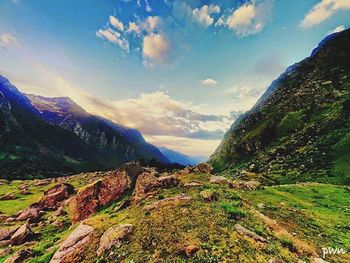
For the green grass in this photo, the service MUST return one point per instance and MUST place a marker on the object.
(290, 122)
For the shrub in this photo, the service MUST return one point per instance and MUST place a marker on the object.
(232, 210)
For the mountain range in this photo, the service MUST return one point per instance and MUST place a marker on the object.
(42, 136)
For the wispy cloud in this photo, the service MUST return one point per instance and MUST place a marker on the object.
(322, 11)
(7, 41)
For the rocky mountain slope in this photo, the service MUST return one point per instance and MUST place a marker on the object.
(137, 214)
(33, 142)
(96, 131)
(299, 130)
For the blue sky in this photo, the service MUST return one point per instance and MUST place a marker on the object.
(180, 71)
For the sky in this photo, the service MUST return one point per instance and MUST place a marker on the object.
(179, 71)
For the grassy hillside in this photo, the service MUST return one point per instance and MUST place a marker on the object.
(299, 129)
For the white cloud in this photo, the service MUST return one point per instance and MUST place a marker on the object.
(113, 37)
(156, 48)
(322, 11)
(209, 82)
(203, 15)
(7, 40)
(248, 19)
(337, 29)
(116, 23)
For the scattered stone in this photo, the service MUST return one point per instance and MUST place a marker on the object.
(20, 256)
(192, 184)
(319, 260)
(25, 192)
(42, 182)
(32, 213)
(203, 168)
(3, 217)
(147, 185)
(175, 200)
(189, 250)
(6, 233)
(55, 195)
(276, 260)
(8, 196)
(221, 180)
(111, 188)
(73, 244)
(243, 231)
(22, 235)
(261, 205)
(114, 236)
(208, 195)
(5, 252)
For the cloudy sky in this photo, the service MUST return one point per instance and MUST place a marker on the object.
(179, 71)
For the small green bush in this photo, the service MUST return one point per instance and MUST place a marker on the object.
(233, 210)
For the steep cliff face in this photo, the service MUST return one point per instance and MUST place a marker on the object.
(96, 131)
(299, 129)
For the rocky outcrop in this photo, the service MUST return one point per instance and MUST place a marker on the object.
(22, 235)
(147, 185)
(20, 256)
(73, 244)
(221, 180)
(52, 199)
(199, 168)
(8, 196)
(175, 200)
(114, 236)
(99, 194)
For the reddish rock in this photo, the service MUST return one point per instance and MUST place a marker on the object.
(20, 256)
(203, 168)
(189, 250)
(8, 196)
(111, 188)
(147, 185)
(22, 235)
(73, 244)
(55, 195)
(32, 213)
(5, 233)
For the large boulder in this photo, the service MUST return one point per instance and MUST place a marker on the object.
(22, 235)
(147, 185)
(32, 213)
(203, 168)
(73, 244)
(221, 180)
(99, 194)
(114, 236)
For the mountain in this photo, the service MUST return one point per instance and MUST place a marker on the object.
(94, 130)
(180, 158)
(36, 139)
(299, 130)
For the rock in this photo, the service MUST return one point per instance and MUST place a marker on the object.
(73, 244)
(3, 217)
(111, 188)
(32, 213)
(192, 184)
(5, 252)
(175, 200)
(221, 180)
(8, 196)
(20, 256)
(22, 235)
(42, 182)
(114, 236)
(208, 195)
(243, 231)
(203, 168)
(261, 205)
(25, 192)
(319, 260)
(276, 260)
(6, 233)
(147, 185)
(189, 250)
(55, 195)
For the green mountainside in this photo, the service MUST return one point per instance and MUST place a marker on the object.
(299, 130)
